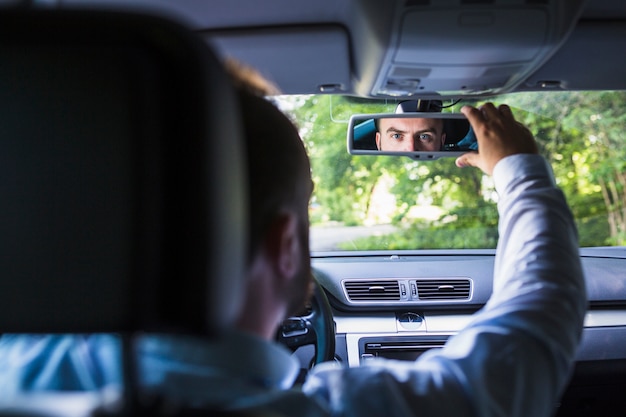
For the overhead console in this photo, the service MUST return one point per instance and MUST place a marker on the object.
(482, 46)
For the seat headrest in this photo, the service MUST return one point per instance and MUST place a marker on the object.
(122, 176)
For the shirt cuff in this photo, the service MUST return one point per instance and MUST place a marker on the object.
(518, 166)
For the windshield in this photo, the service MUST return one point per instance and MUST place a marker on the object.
(395, 203)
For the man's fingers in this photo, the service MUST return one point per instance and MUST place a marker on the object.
(505, 111)
(460, 161)
(489, 111)
(466, 160)
(499, 135)
(474, 116)
(486, 111)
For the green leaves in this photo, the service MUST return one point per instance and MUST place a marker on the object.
(437, 205)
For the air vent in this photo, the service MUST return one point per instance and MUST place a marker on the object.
(443, 290)
(387, 290)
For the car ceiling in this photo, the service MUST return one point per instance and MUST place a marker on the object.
(373, 48)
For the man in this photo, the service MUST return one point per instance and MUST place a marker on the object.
(410, 135)
(515, 356)
(513, 359)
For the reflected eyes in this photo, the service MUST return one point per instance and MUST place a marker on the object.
(425, 137)
(422, 137)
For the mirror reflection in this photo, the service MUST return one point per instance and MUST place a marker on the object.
(410, 133)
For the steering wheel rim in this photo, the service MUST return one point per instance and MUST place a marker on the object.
(316, 328)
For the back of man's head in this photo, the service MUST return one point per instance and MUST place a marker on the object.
(278, 166)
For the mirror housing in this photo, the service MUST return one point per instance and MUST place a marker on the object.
(424, 136)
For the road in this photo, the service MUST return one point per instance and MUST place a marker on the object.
(326, 238)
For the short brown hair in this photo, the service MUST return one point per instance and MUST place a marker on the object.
(277, 162)
(247, 78)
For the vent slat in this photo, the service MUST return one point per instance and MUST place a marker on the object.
(443, 290)
(373, 290)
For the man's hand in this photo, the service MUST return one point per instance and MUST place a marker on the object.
(499, 135)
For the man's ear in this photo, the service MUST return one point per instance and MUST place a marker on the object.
(378, 140)
(443, 139)
(284, 244)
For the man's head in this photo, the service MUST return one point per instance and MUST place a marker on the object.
(410, 134)
(280, 187)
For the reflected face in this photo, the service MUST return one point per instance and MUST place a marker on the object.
(410, 135)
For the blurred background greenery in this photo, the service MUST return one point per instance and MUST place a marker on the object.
(434, 204)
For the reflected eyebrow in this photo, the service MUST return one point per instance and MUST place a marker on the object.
(395, 129)
(431, 130)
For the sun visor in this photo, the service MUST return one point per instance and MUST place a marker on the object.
(474, 48)
(598, 39)
(318, 56)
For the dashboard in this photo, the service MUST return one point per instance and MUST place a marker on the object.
(400, 305)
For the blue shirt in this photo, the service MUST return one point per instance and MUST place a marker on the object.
(513, 359)
(58, 363)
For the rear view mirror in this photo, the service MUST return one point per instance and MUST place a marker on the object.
(417, 135)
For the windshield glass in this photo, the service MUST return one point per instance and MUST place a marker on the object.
(395, 203)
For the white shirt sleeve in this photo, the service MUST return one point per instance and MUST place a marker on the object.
(515, 357)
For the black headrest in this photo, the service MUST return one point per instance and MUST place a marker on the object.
(121, 179)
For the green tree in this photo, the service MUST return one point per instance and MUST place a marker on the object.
(344, 183)
(580, 133)
(576, 132)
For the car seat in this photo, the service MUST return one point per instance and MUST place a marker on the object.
(123, 184)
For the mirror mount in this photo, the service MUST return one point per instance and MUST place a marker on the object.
(419, 106)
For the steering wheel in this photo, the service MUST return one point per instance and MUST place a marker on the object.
(316, 327)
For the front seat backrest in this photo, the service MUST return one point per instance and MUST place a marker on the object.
(122, 183)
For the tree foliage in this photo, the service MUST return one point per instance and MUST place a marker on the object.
(434, 204)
